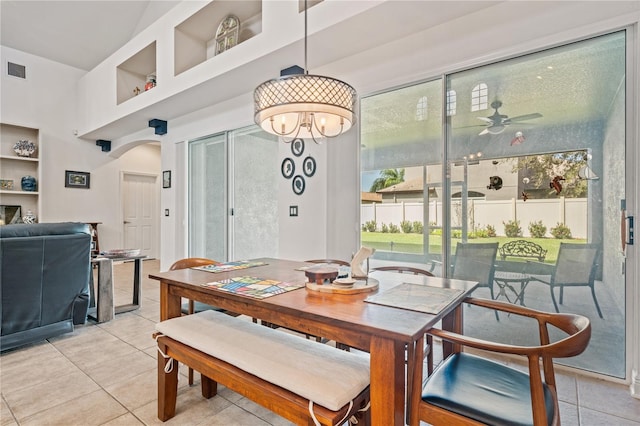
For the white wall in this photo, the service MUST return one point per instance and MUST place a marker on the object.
(47, 100)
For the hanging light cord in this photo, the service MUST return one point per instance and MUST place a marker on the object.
(306, 69)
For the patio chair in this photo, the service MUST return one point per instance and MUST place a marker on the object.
(469, 389)
(476, 262)
(575, 267)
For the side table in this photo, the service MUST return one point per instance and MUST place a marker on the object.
(103, 309)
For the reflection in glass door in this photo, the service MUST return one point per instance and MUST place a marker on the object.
(208, 198)
(401, 145)
(233, 208)
(535, 152)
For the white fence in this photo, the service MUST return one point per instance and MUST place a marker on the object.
(572, 212)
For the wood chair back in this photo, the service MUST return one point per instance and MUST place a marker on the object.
(404, 270)
(330, 262)
(191, 262)
(537, 391)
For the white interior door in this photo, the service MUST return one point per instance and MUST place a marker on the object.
(140, 213)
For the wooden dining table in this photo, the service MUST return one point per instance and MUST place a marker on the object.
(381, 330)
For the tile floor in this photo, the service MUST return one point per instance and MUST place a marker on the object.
(105, 374)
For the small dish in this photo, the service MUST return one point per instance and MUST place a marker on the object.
(344, 281)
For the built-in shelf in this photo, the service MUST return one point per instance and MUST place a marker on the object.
(132, 74)
(195, 38)
(10, 192)
(14, 167)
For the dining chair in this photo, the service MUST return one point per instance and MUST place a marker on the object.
(330, 262)
(471, 389)
(428, 348)
(428, 354)
(576, 266)
(476, 262)
(192, 307)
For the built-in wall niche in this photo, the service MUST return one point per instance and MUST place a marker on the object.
(135, 74)
(310, 4)
(195, 38)
(14, 167)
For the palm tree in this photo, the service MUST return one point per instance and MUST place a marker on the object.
(388, 177)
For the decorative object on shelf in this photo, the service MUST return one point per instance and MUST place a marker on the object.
(29, 217)
(6, 184)
(227, 33)
(309, 166)
(10, 214)
(151, 82)
(76, 179)
(24, 148)
(136, 91)
(304, 105)
(298, 185)
(297, 147)
(287, 168)
(29, 183)
(166, 179)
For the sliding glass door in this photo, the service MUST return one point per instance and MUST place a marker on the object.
(233, 209)
(529, 150)
(538, 146)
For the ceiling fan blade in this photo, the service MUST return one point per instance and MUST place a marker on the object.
(484, 132)
(485, 119)
(525, 117)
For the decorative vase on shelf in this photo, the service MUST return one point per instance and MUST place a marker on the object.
(29, 183)
(29, 217)
(24, 148)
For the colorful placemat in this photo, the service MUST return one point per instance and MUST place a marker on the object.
(255, 287)
(229, 266)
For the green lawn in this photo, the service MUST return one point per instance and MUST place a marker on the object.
(412, 243)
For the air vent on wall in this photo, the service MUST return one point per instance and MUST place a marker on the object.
(16, 70)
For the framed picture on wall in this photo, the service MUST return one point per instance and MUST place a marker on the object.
(166, 179)
(76, 179)
(10, 214)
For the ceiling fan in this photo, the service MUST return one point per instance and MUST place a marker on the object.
(497, 123)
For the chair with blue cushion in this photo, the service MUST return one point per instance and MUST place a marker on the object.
(470, 389)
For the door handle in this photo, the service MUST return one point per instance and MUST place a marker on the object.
(629, 236)
(126, 221)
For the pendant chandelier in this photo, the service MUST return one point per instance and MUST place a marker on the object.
(303, 105)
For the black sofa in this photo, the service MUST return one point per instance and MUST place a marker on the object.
(44, 280)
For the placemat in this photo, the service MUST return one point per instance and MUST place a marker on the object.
(416, 297)
(229, 266)
(255, 287)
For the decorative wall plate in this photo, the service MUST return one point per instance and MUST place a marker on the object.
(309, 166)
(297, 147)
(287, 168)
(298, 185)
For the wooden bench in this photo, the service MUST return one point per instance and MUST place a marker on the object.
(522, 248)
(301, 380)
